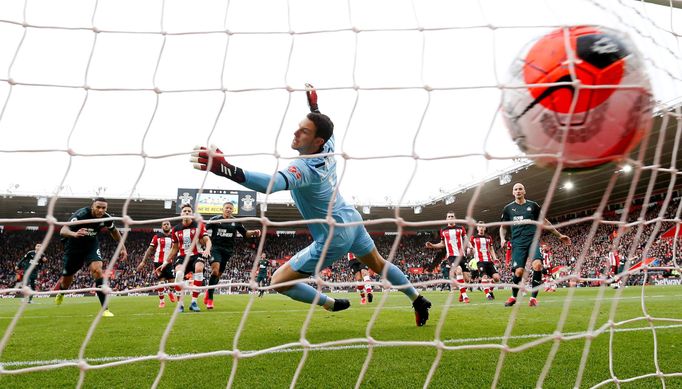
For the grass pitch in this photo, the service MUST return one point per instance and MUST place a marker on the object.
(50, 337)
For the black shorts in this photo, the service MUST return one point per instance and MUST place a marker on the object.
(261, 277)
(463, 263)
(356, 266)
(166, 273)
(75, 258)
(220, 256)
(191, 263)
(487, 268)
(521, 253)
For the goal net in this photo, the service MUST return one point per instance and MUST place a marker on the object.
(109, 98)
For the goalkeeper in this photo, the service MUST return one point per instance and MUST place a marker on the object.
(312, 182)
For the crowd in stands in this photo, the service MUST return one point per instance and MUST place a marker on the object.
(586, 258)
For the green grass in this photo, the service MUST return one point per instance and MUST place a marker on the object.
(47, 335)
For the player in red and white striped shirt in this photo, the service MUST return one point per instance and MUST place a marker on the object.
(484, 251)
(360, 273)
(550, 286)
(616, 264)
(452, 238)
(160, 247)
(190, 239)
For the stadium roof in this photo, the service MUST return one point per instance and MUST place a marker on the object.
(587, 192)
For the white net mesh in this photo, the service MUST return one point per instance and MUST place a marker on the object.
(109, 97)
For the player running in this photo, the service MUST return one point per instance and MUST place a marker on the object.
(484, 251)
(24, 269)
(361, 274)
(223, 233)
(189, 239)
(81, 246)
(160, 247)
(452, 239)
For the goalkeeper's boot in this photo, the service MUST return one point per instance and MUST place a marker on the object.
(107, 313)
(510, 302)
(421, 310)
(209, 304)
(533, 302)
(340, 305)
(194, 307)
(370, 297)
(59, 299)
(171, 297)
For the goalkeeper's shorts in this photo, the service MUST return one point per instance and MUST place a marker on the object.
(353, 239)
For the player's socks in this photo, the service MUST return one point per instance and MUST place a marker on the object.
(306, 294)
(160, 290)
(100, 295)
(397, 278)
(198, 281)
(515, 280)
(368, 287)
(537, 281)
(212, 280)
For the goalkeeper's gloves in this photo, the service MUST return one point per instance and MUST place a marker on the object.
(218, 165)
(311, 94)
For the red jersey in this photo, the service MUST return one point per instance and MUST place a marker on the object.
(162, 245)
(184, 235)
(453, 237)
(483, 247)
(614, 258)
(547, 259)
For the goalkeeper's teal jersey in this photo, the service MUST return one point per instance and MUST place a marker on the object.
(312, 182)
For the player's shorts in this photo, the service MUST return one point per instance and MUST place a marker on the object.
(220, 256)
(521, 253)
(166, 273)
(76, 257)
(191, 263)
(261, 277)
(356, 266)
(487, 268)
(353, 239)
(463, 263)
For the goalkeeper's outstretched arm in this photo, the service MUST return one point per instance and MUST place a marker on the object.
(213, 160)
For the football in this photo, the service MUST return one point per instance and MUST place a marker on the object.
(579, 95)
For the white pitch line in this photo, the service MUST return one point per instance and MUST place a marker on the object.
(386, 307)
(332, 348)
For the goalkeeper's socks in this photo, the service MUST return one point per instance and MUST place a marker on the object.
(100, 295)
(213, 280)
(397, 278)
(306, 294)
(537, 281)
(515, 280)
